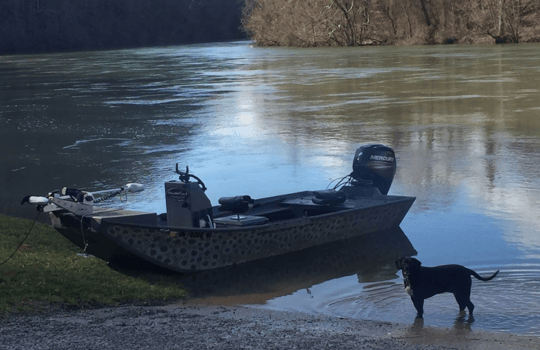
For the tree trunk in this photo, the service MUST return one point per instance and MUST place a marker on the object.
(501, 17)
(408, 18)
(351, 30)
(425, 12)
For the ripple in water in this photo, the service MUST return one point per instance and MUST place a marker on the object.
(508, 303)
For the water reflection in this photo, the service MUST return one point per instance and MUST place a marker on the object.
(370, 257)
(462, 119)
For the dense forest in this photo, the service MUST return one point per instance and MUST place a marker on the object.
(401, 22)
(57, 25)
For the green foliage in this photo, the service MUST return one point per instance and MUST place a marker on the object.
(48, 269)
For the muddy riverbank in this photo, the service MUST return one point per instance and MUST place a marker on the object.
(192, 326)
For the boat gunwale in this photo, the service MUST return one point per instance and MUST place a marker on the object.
(283, 223)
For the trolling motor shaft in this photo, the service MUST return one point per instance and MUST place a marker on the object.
(77, 201)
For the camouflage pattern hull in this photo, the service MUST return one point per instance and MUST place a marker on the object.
(121, 234)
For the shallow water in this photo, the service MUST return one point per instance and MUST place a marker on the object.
(463, 121)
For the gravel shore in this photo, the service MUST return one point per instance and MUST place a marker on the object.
(192, 326)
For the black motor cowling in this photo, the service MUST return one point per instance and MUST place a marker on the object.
(374, 163)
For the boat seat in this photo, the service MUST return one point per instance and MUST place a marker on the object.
(329, 197)
(237, 204)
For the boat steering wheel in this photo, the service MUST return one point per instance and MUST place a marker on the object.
(185, 176)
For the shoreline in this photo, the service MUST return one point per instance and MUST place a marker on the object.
(191, 325)
(220, 323)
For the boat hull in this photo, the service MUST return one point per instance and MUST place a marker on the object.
(371, 257)
(128, 235)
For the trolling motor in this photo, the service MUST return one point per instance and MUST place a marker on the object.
(77, 201)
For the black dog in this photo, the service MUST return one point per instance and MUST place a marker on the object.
(424, 282)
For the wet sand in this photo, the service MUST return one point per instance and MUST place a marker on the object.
(194, 326)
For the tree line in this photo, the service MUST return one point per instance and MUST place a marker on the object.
(56, 25)
(378, 22)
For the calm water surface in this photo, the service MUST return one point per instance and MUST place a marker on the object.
(464, 121)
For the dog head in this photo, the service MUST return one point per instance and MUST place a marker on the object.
(408, 265)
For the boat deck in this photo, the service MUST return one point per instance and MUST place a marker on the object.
(265, 211)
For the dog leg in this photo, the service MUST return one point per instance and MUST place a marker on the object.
(419, 305)
(464, 301)
(470, 306)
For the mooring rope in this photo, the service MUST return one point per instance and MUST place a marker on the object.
(28, 234)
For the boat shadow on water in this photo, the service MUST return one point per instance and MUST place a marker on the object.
(368, 256)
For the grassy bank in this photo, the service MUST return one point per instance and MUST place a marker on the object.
(49, 270)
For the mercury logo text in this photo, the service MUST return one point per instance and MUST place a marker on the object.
(382, 158)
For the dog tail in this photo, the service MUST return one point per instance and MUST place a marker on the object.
(484, 278)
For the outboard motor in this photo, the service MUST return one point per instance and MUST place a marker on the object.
(187, 205)
(374, 164)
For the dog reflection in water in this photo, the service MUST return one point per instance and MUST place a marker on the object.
(424, 282)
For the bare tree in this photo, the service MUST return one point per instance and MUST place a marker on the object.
(406, 10)
(361, 22)
(346, 7)
(387, 9)
(424, 6)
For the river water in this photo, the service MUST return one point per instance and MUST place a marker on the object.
(464, 122)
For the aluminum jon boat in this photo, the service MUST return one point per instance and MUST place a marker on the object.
(193, 235)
